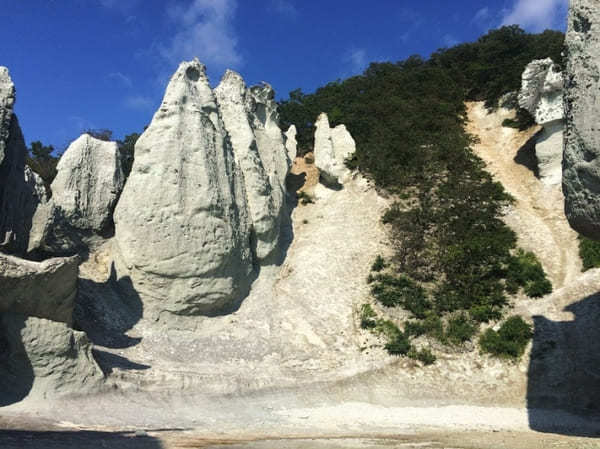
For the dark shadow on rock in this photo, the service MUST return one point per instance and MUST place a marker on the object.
(16, 372)
(107, 310)
(526, 155)
(563, 390)
(109, 361)
(27, 439)
(294, 182)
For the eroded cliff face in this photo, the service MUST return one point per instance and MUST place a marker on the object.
(581, 165)
(262, 180)
(182, 226)
(20, 191)
(541, 95)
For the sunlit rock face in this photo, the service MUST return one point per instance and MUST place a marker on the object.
(331, 148)
(182, 224)
(581, 165)
(542, 95)
(261, 158)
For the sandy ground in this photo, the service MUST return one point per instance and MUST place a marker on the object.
(291, 368)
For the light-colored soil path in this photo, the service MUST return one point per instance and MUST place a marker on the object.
(538, 214)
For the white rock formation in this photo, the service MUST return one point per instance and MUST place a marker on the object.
(542, 96)
(581, 166)
(19, 189)
(42, 289)
(263, 187)
(291, 144)
(44, 359)
(182, 230)
(88, 183)
(331, 147)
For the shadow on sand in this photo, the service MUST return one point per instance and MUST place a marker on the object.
(563, 391)
(526, 155)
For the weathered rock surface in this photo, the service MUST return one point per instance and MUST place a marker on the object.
(88, 183)
(542, 96)
(44, 358)
(263, 188)
(182, 230)
(291, 144)
(42, 289)
(581, 164)
(18, 189)
(331, 147)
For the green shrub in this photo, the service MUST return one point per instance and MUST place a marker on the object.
(589, 251)
(510, 340)
(524, 120)
(414, 329)
(424, 355)
(394, 291)
(367, 317)
(525, 270)
(484, 313)
(388, 329)
(399, 345)
(460, 329)
(434, 327)
(379, 264)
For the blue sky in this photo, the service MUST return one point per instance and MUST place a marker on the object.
(80, 64)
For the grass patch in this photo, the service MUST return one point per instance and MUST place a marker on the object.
(525, 270)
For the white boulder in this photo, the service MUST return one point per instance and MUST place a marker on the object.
(291, 144)
(331, 148)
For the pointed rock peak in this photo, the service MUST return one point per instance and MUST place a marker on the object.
(232, 86)
(322, 120)
(189, 86)
(7, 88)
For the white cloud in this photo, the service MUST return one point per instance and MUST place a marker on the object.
(124, 80)
(357, 59)
(284, 7)
(204, 30)
(536, 15)
(139, 102)
(482, 18)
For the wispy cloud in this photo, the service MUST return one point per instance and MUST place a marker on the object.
(139, 102)
(123, 6)
(483, 18)
(284, 7)
(204, 30)
(357, 59)
(536, 15)
(449, 40)
(121, 79)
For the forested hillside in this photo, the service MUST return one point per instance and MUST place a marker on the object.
(454, 257)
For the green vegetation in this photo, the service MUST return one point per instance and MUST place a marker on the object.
(454, 259)
(41, 160)
(367, 317)
(509, 341)
(589, 251)
(424, 355)
(524, 270)
(379, 264)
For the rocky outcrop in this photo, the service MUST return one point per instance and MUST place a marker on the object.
(88, 183)
(291, 144)
(85, 191)
(42, 358)
(41, 289)
(182, 229)
(262, 182)
(19, 189)
(542, 96)
(332, 147)
(581, 164)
